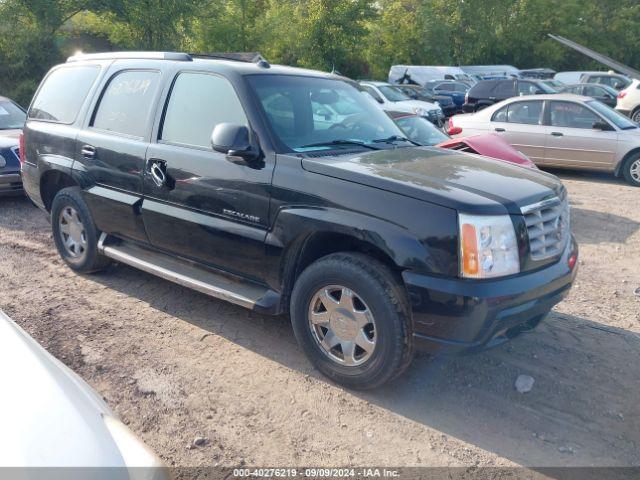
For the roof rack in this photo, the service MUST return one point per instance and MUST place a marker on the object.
(247, 57)
(177, 56)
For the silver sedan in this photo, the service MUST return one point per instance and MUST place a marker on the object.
(561, 130)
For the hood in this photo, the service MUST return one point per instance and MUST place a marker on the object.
(490, 145)
(409, 105)
(49, 416)
(462, 181)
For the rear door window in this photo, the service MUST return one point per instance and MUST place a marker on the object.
(528, 88)
(504, 89)
(199, 102)
(526, 113)
(62, 94)
(126, 102)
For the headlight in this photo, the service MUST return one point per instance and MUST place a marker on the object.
(488, 246)
(419, 111)
(135, 453)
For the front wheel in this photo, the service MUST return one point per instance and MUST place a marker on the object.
(75, 233)
(351, 317)
(631, 170)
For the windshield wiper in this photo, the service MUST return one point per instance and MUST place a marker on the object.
(340, 142)
(395, 138)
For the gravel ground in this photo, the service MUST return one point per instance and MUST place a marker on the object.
(176, 365)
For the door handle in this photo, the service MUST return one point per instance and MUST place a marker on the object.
(88, 152)
(557, 134)
(158, 173)
(500, 129)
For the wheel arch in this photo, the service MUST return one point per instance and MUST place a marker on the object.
(304, 235)
(51, 182)
(630, 154)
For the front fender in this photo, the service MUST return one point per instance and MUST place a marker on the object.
(294, 225)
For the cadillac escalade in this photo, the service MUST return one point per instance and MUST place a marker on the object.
(287, 191)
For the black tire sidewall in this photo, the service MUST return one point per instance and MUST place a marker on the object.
(71, 197)
(389, 322)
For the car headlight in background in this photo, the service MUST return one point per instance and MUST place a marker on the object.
(141, 462)
(488, 246)
(3, 162)
(420, 111)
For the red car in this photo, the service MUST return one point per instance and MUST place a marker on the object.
(425, 133)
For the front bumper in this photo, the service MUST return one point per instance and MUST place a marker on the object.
(455, 316)
(10, 184)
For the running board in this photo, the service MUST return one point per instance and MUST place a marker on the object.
(188, 274)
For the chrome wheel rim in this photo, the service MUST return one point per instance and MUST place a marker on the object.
(634, 170)
(72, 232)
(342, 325)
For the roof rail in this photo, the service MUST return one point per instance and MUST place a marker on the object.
(247, 57)
(182, 57)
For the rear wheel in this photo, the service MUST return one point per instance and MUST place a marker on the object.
(631, 170)
(75, 233)
(635, 115)
(351, 318)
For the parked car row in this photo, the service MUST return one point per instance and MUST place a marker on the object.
(562, 130)
(12, 118)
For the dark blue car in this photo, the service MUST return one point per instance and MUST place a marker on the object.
(12, 118)
(455, 90)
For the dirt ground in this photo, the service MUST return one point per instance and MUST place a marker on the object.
(176, 365)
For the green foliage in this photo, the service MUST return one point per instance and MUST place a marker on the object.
(360, 38)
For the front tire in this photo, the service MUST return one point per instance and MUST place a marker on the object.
(75, 233)
(631, 170)
(351, 317)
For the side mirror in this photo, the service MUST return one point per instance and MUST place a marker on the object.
(600, 125)
(455, 131)
(235, 142)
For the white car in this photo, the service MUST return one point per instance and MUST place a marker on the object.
(391, 98)
(561, 130)
(49, 417)
(629, 101)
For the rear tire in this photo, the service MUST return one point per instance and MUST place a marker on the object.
(635, 115)
(352, 319)
(75, 233)
(631, 170)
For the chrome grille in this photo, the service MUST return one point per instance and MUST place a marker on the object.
(548, 226)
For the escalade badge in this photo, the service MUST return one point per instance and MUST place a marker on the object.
(242, 216)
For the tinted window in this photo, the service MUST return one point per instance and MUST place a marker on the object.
(392, 94)
(528, 88)
(573, 115)
(63, 93)
(11, 115)
(593, 91)
(198, 103)
(504, 89)
(482, 89)
(126, 102)
(520, 112)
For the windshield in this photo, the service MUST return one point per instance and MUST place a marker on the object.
(421, 130)
(304, 112)
(11, 115)
(392, 94)
(613, 116)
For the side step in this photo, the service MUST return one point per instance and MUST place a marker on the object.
(186, 273)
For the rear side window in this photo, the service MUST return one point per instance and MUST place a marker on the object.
(63, 93)
(482, 89)
(126, 101)
(198, 103)
(504, 89)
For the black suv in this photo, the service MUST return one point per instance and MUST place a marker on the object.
(288, 191)
(488, 92)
